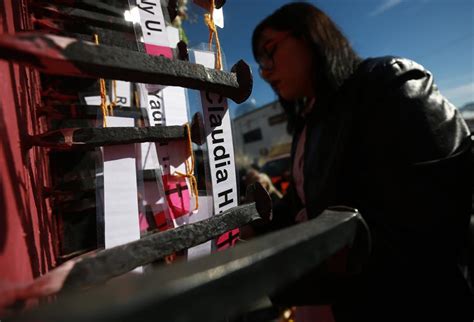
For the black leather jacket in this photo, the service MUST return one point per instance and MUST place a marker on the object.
(390, 145)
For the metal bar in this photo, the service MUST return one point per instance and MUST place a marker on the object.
(71, 57)
(121, 259)
(122, 4)
(83, 16)
(92, 5)
(60, 112)
(225, 283)
(87, 138)
(84, 32)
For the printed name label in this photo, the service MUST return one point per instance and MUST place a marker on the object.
(152, 22)
(155, 108)
(219, 143)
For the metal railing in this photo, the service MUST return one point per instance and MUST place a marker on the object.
(213, 287)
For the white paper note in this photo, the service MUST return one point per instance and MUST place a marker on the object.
(205, 208)
(120, 190)
(220, 150)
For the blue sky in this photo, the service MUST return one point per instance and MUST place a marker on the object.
(438, 34)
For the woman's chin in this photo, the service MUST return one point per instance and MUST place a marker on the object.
(287, 96)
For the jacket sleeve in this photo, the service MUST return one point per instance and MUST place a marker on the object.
(418, 173)
(430, 126)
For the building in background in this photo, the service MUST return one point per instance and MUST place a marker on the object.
(467, 112)
(260, 135)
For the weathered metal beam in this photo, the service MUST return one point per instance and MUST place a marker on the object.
(121, 259)
(60, 112)
(88, 138)
(84, 32)
(122, 4)
(82, 16)
(71, 57)
(92, 5)
(225, 283)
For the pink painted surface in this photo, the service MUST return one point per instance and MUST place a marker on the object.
(27, 229)
(177, 195)
(228, 239)
(143, 222)
(159, 51)
(162, 222)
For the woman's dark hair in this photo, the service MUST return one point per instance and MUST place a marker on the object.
(334, 58)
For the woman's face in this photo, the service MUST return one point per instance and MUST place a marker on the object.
(286, 64)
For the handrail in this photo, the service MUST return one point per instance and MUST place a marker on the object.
(121, 259)
(212, 287)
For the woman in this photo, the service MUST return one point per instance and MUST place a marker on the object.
(375, 135)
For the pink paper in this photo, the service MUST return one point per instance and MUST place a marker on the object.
(159, 51)
(177, 195)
